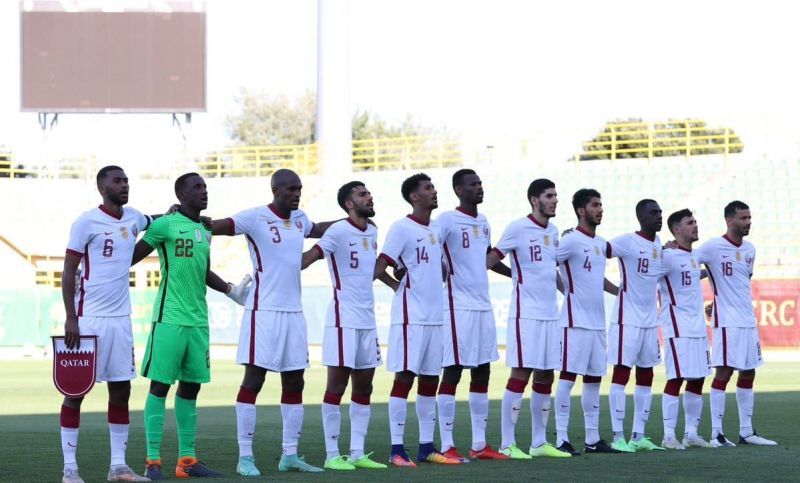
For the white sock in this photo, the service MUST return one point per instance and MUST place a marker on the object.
(447, 414)
(292, 415)
(539, 403)
(118, 436)
(692, 409)
(616, 406)
(563, 390)
(508, 417)
(642, 400)
(669, 409)
(397, 418)
(359, 421)
(479, 413)
(245, 427)
(590, 400)
(331, 427)
(426, 416)
(717, 404)
(69, 446)
(745, 400)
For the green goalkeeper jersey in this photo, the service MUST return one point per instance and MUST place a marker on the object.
(184, 249)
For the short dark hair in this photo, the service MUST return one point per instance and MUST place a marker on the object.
(539, 186)
(345, 191)
(411, 184)
(677, 217)
(641, 204)
(180, 183)
(734, 206)
(582, 197)
(458, 176)
(101, 175)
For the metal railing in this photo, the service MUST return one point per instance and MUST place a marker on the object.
(259, 160)
(685, 137)
(410, 152)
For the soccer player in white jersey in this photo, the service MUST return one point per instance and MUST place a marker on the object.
(101, 241)
(633, 331)
(534, 334)
(273, 333)
(413, 244)
(683, 325)
(582, 259)
(470, 334)
(729, 260)
(350, 347)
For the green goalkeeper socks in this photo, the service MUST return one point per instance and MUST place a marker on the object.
(186, 418)
(154, 408)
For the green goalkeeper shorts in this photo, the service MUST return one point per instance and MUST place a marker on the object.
(177, 353)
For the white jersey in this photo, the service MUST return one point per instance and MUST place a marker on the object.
(465, 241)
(582, 258)
(276, 250)
(681, 295)
(105, 243)
(351, 254)
(640, 267)
(730, 268)
(417, 248)
(533, 268)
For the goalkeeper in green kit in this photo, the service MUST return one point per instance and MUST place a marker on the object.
(178, 345)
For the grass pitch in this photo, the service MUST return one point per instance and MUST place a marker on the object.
(30, 444)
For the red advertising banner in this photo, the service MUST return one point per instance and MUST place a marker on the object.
(777, 307)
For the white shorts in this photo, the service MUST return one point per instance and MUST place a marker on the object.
(115, 357)
(470, 338)
(353, 348)
(687, 357)
(536, 345)
(415, 348)
(630, 346)
(276, 341)
(583, 351)
(736, 347)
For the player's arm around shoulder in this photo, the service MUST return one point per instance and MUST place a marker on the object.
(157, 233)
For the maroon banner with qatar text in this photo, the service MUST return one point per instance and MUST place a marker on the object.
(777, 307)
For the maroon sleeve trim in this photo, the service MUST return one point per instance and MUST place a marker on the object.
(498, 252)
(74, 253)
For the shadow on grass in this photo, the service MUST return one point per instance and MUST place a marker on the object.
(30, 446)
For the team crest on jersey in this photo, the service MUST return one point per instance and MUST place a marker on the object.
(135, 230)
(298, 224)
(597, 250)
(655, 253)
(738, 256)
(287, 223)
(475, 231)
(375, 245)
(198, 235)
(365, 243)
(486, 230)
(547, 240)
(433, 238)
(749, 260)
(694, 263)
(124, 232)
(208, 236)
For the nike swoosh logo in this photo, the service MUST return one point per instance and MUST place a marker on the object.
(71, 445)
(271, 222)
(726, 256)
(464, 228)
(641, 252)
(420, 239)
(618, 410)
(683, 265)
(448, 424)
(595, 407)
(591, 447)
(564, 406)
(353, 244)
(108, 232)
(249, 434)
(534, 240)
(585, 251)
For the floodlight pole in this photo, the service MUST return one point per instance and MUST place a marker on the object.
(334, 118)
